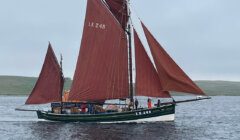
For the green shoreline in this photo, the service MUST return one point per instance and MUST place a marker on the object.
(22, 86)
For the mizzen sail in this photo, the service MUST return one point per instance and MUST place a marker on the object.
(50, 82)
(172, 77)
(147, 80)
(102, 68)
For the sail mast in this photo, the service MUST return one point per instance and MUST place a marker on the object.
(63, 80)
(129, 31)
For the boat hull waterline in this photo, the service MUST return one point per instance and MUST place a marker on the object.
(164, 113)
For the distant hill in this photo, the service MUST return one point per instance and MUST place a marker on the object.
(214, 88)
(15, 85)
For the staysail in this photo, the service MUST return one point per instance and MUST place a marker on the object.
(171, 76)
(102, 68)
(147, 80)
(50, 82)
(119, 10)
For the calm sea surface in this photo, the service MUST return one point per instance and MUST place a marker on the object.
(214, 119)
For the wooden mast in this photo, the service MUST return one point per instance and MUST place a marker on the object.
(129, 31)
(62, 78)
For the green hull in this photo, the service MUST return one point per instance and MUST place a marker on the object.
(153, 114)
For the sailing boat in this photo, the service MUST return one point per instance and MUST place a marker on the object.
(104, 71)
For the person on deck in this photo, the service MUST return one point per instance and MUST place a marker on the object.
(130, 103)
(158, 103)
(136, 104)
(90, 108)
(83, 108)
(149, 103)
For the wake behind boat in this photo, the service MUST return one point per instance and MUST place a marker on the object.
(104, 72)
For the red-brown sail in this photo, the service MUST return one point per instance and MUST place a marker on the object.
(147, 80)
(102, 67)
(120, 11)
(172, 77)
(50, 82)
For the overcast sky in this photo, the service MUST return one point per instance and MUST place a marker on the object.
(202, 36)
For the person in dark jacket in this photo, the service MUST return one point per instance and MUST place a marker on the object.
(158, 103)
(136, 104)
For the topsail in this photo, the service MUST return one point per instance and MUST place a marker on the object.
(120, 11)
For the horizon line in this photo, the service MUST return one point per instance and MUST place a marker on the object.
(220, 80)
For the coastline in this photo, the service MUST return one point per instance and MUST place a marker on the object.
(22, 86)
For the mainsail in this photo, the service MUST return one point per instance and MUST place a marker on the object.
(50, 82)
(147, 80)
(102, 68)
(171, 76)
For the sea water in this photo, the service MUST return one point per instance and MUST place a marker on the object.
(215, 119)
